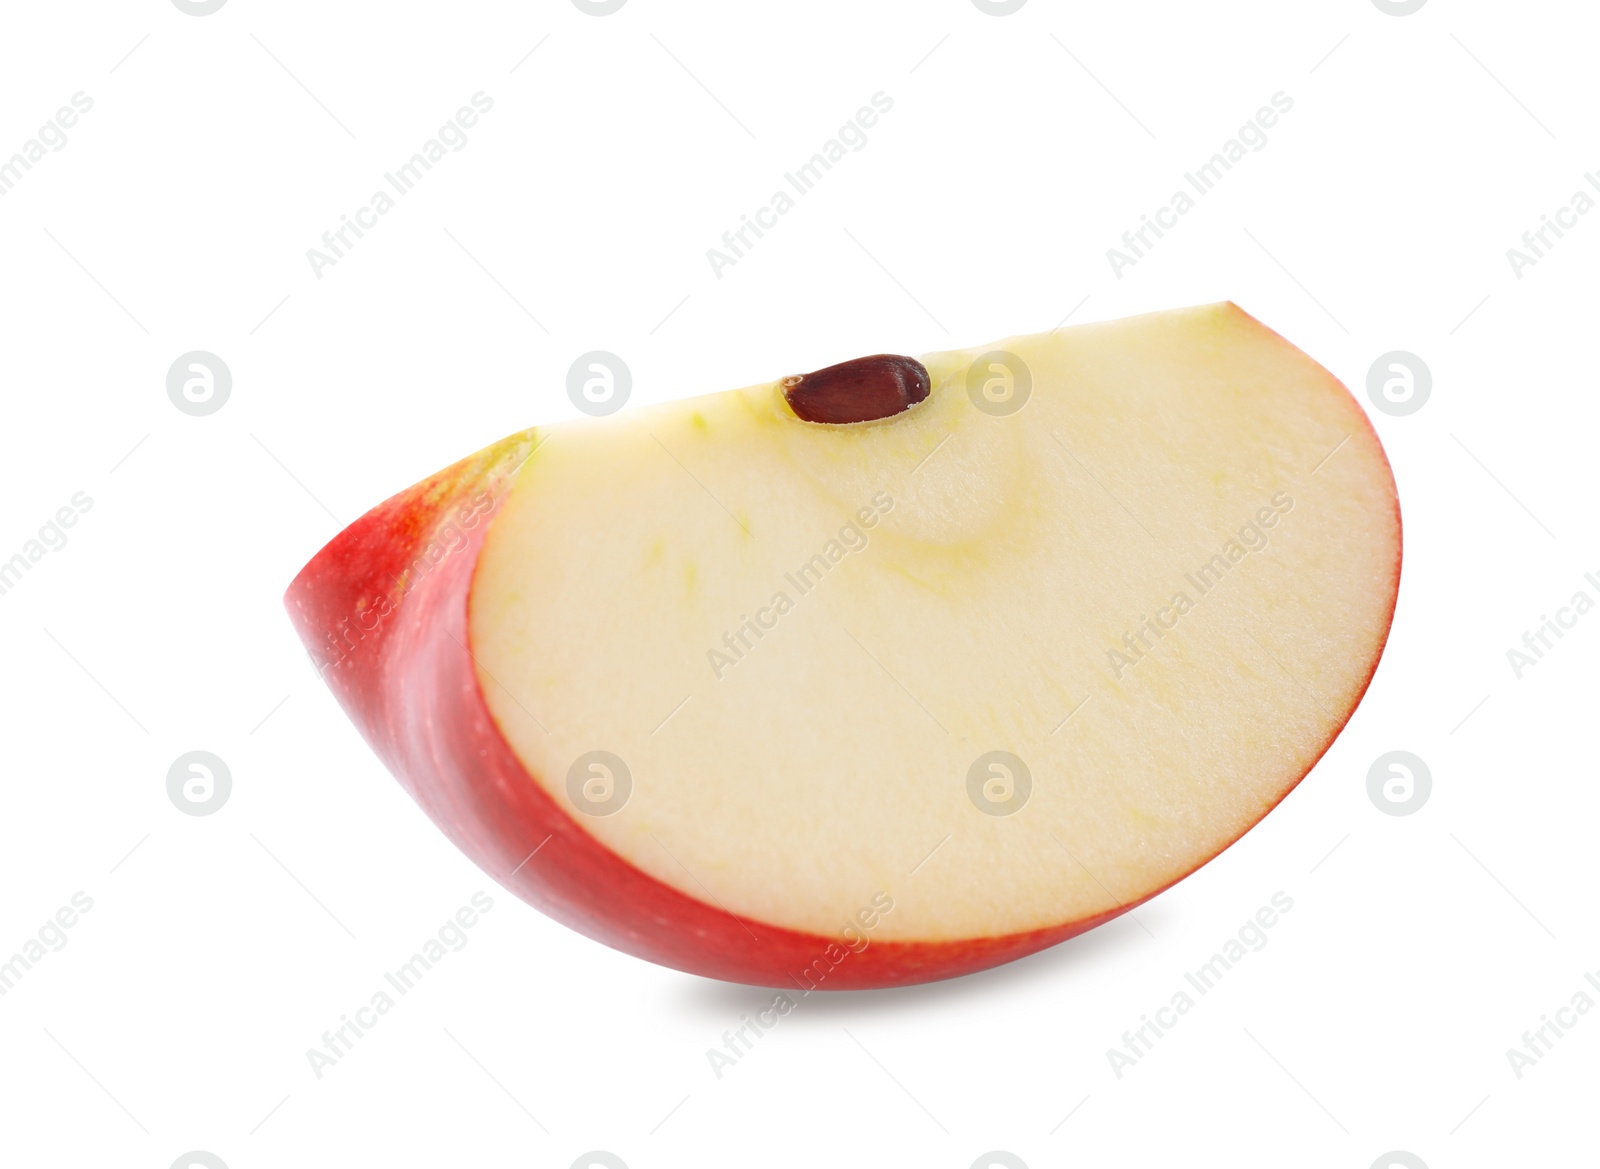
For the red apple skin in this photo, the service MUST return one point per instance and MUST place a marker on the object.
(390, 639)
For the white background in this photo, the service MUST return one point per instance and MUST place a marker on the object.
(219, 948)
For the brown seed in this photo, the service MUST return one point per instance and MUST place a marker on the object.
(859, 390)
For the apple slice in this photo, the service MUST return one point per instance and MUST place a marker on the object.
(865, 703)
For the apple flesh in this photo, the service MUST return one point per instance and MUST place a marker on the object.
(866, 704)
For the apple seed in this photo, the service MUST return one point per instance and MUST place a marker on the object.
(858, 391)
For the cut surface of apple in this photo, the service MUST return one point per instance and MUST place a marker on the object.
(873, 703)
